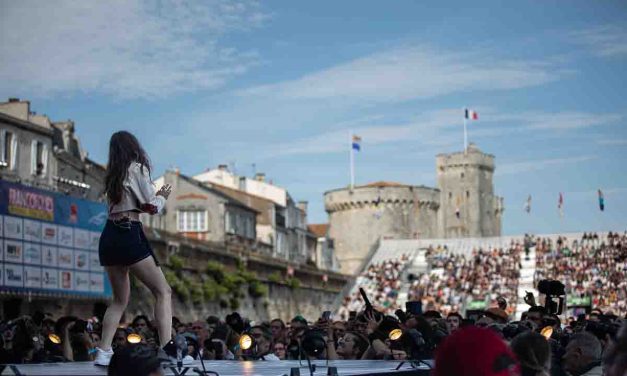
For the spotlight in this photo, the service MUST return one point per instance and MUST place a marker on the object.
(546, 332)
(245, 342)
(134, 338)
(54, 338)
(395, 334)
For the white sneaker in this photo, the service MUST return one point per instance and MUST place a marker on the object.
(103, 358)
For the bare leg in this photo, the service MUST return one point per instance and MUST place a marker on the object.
(118, 275)
(151, 275)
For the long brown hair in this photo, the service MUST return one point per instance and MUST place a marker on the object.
(124, 149)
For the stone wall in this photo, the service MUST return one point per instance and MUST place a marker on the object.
(283, 299)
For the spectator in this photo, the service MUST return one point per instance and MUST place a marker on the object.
(280, 350)
(454, 321)
(352, 346)
(475, 352)
(583, 355)
(533, 353)
(277, 327)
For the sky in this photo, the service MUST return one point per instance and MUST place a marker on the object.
(277, 86)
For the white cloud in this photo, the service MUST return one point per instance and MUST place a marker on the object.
(520, 167)
(126, 49)
(411, 72)
(604, 41)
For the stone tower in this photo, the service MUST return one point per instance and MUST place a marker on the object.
(359, 217)
(468, 206)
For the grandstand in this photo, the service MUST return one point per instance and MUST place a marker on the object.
(402, 269)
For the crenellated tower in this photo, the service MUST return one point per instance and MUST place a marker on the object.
(469, 207)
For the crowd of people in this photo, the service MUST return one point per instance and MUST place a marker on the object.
(452, 282)
(538, 344)
(456, 280)
(382, 282)
(593, 266)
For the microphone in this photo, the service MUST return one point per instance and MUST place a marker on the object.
(181, 347)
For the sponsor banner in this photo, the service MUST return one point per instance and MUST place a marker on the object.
(32, 277)
(96, 282)
(49, 243)
(81, 281)
(65, 258)
(32, 253)
(25, 202)
(49, 255)
(13, 227)
(94, 262)
(94, 240)
(66, 279)
(50, 279)
(32, 231)
(82, 239)
(13, 251)
(13, 275)
(66, 236)
(49, 233)
(81, 260)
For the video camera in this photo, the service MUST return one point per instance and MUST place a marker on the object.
(553, 289)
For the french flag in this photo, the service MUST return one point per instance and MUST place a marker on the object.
(472, 115)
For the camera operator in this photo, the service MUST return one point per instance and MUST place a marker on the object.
(583, 355)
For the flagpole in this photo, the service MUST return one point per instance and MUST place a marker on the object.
(465, 134)
(352, 158)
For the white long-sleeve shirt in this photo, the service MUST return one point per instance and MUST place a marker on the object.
(139, 193)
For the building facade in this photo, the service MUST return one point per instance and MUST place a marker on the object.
(198, 211)
(282, 222)
(463, 205)
(37, 152)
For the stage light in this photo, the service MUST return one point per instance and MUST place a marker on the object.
(245, 342)
(54, 338)
(134, 338)
(547, 332)
(395, 334)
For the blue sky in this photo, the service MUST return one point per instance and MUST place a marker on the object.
(281, 83)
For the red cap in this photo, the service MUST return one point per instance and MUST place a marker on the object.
(475, 351)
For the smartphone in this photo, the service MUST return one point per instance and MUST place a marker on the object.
(326, 315)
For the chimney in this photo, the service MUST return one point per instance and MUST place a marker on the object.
(302, 205)
(242, 183)
(260, 176)
(223, 167)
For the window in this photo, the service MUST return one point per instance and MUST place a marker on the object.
(39, 158)
(467, 194)
(9, 149)
(192, 220)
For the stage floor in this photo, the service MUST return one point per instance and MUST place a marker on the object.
(223, 368)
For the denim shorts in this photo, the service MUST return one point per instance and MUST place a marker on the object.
(123, 242)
